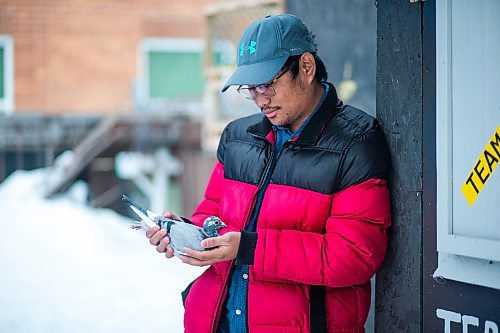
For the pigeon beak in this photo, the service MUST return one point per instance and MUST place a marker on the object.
(222, 225)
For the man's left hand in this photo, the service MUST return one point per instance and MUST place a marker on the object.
(225, 248)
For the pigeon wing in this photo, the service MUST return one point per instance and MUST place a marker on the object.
(186, 235)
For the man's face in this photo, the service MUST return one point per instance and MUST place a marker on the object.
(290, 106)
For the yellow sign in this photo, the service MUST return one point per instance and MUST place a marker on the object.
(482, 170)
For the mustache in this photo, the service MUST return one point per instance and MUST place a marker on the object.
(267, 108)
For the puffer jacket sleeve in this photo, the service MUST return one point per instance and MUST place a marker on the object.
(354, 243)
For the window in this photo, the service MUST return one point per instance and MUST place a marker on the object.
(6, 74)
(170, 71)
(468, 114)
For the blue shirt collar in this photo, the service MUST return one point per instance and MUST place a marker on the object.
(284, 134)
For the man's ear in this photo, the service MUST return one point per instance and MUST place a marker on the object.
(308, 66)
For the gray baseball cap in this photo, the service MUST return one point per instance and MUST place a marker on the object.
(266, 45)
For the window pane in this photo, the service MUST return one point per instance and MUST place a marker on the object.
(175, 74)
(2, 78)
(475, 82)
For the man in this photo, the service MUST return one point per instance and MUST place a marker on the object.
(302, 187)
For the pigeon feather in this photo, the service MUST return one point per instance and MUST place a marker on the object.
(182, 234)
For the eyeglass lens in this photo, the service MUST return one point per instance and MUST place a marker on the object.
(251, 93)
(263, 89)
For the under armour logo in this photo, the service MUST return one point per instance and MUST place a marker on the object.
(250, 48)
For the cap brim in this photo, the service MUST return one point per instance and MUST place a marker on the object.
(257, 73)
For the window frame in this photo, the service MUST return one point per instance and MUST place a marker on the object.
(7, 102)
(143, 98)
(461, 258)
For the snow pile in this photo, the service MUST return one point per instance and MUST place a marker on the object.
(65, 267)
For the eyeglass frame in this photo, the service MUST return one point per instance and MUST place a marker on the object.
(251, 92)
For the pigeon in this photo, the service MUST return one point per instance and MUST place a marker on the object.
(182, 234)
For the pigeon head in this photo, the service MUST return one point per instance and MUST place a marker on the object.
(212, 226)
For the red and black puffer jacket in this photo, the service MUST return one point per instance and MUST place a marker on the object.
(321, 229)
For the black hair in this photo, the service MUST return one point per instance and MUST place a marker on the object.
(321, 73)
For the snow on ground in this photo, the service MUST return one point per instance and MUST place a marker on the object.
(66, 267)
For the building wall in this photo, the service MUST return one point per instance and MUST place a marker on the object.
(77, 56)
(346, 35)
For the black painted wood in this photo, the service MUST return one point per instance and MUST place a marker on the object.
(399, 109)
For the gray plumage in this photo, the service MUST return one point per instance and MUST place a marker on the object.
(181, 234)
(188, 235)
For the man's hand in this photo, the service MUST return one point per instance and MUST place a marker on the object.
(225, 248)
(157, 237)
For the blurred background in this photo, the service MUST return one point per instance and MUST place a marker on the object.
(117, 82)
(124, 98)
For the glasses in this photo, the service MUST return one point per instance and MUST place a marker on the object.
(265, 89)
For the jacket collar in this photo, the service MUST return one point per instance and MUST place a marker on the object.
(312, 131)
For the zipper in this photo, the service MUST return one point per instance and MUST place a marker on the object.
(262, 185)
(267, 172)
(263, 179)
(270, 168)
